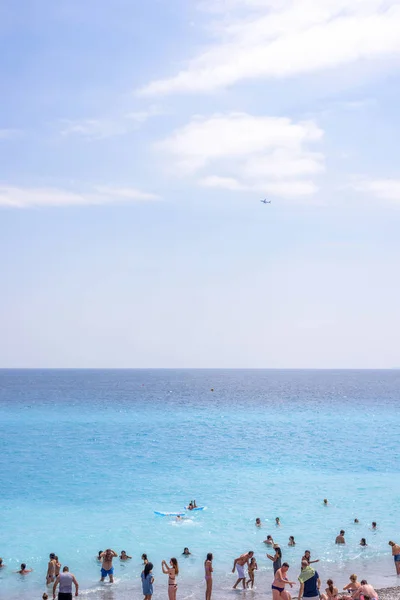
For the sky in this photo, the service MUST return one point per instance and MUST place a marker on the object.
(136, 142)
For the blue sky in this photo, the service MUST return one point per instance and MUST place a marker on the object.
(136, 141)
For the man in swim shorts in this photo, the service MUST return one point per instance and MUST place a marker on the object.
(396, 556)
(239, 564)
(51, 569)
(107, 566)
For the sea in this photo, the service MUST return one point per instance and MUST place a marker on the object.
(87, 456)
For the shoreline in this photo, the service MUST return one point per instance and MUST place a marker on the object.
(389, 593)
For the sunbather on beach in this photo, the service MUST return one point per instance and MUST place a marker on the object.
(353, 585)
(365, 591)
(239, 564)
(331, 592)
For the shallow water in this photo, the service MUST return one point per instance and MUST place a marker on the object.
(87, 456)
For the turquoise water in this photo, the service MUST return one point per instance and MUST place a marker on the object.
(87, 456)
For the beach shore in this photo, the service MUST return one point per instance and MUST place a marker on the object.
(389, 593)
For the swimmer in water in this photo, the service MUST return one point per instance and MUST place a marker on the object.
(23, 570)
(269, 541)
(98, 557)
(258, 522)
(186, 552)
(208, 571)
(1, 564)
(325, 502)
(363, 542)
(373, 526)
(277, 522)
(356, 521)
(291, 541)
(124, 556)
(251, 568)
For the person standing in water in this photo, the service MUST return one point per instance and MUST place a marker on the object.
(258, 522)
(276, 559)
(65, 580)
(340, 538)
(106, 565)
(239, 564)
(51, 569)
(252, 567)
(291, 541)
(147, 581)
(269, 541)
(396, 556)
(208, 571)
(277, 522)
(172, 571)
(23, 570)
(363, 542)
(278, 585)
(325, 502)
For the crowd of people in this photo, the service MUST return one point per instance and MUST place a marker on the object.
(309, 580)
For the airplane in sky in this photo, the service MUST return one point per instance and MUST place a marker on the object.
(265, 201)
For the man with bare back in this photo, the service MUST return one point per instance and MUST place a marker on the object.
(239, 564)
(106, 565)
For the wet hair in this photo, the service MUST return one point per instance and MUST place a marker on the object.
(175, 565)
(148, 568)
(342, 532)
(144, 556)
(269, 537)
(100, 552)
(23, 566)
(285, 564)
(276, 518)
(258, 519)
(209, 556)
(355, 520)
(363, 542)
(52, 556)
(123, 551)
(291, 537)
(1, 561)
(364, 582)
(373, 523)
(330, 585)
(353, 577)
(325, 501)
(65, 569)
(278, 551)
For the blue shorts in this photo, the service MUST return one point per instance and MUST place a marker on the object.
(104, 573)
(396, 558)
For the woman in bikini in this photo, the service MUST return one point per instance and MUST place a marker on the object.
(172, 571)
(332, 593)
(353, 585)
(208, 570)
(278, 585)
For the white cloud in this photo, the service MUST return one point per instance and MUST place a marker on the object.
(384, 189)
(275, 39)
(107, 127)
(19, 197)
(245, 152)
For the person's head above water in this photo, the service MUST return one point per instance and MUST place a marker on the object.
(325, 501)
(373, 525)
(23, 566)
(291, 538)
(186, 551)
(100, 552)
(356, 521)
(363, 542)
(258, 521)
(277, 520)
